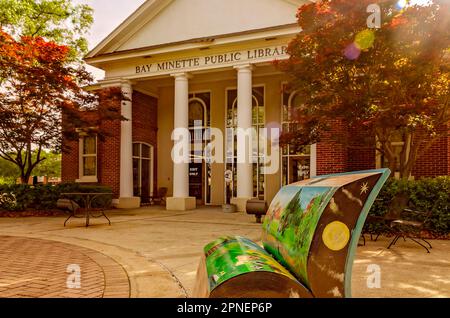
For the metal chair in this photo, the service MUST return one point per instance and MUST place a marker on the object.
(160, 198)
(395, 209)
(411, 229)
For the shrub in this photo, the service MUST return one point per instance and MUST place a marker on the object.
(431, 194)
(44, 197)
(7, 180)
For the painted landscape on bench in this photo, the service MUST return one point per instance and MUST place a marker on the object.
(290, 224)
(229, 257)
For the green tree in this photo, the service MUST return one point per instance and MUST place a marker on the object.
(50, 167)
(390, 82)
(55, 20)
(292, 214)
(8, 172)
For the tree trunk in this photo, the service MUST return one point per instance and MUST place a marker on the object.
(406, 158)
(389, 154)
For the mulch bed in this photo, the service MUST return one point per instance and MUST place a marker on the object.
(40, 213)
(31, 213)
(424, 234)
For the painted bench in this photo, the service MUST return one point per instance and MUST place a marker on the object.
(309, 240)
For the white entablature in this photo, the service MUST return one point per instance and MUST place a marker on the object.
(159, 23)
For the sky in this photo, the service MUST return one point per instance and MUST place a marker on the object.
(108, 14)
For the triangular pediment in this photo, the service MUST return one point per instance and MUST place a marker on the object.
(159, 22)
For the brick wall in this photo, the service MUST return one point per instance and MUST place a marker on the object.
(331, 154)
(69, 162)
(108, 156)
(360, 158)
(333, 157)
(436, 160)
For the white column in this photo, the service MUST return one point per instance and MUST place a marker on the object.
(181, 114)
(244, 149)
(181, 200)
(126, 143)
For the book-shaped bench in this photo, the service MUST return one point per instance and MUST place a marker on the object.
(310, 236)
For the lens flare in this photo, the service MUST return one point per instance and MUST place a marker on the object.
(352, 52)
(401, 4)
(365, 39)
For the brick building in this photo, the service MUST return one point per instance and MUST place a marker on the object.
(201, 64)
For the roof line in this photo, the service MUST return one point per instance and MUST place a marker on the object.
(121, 26)
(206, 39)
(154, 6)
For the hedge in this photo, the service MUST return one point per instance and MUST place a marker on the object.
(425, 195)
(20, 197)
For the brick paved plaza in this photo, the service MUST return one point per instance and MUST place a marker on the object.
(39, 268)
(151, 252)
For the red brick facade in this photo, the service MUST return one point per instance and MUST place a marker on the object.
(108, 158)
(360, 158)
(332, 156)
(336, 157)
(69, 162)
(436, 159)
(108, 154)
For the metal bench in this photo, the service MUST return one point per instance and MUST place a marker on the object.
(160, 198)
(309, 240)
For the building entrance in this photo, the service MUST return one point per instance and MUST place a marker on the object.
(199, 168)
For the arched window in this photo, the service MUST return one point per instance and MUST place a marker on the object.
(258, 112)
(296, 166)
(197, 112)
(200, 171)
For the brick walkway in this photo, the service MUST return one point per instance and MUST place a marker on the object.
(40, 268)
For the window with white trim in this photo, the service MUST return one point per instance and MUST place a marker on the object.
(296, 165)
(88, 158)
(142, 171)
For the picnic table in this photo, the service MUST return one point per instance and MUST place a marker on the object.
(87, 198)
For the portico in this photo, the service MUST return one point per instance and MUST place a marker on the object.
(177, 95)
(230, 98)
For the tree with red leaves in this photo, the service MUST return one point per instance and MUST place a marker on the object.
(38, 85)
(390, 81)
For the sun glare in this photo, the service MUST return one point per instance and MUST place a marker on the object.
(401, 4)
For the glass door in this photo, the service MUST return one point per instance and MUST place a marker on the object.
(143, 171)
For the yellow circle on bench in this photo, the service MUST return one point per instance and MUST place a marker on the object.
(336, 236)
